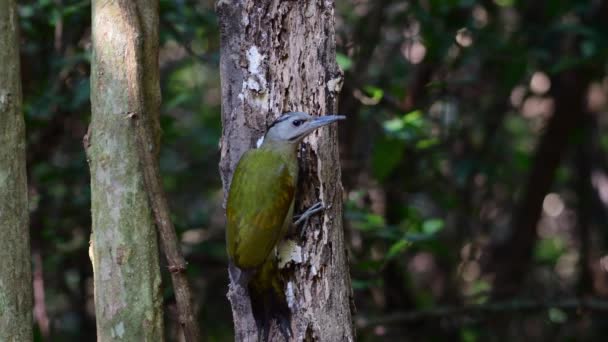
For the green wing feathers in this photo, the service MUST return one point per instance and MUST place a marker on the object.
(259, 201)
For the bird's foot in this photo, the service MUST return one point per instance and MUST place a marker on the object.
(303, 218)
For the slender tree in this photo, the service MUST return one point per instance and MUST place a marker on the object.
(124, 247)
(279, 56)
(15, 265)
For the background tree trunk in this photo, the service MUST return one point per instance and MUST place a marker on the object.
(15, 260)
(279, 56)
(124, 248)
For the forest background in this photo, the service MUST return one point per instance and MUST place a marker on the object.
(474, 164)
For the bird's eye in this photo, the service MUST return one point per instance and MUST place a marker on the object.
(297, 122)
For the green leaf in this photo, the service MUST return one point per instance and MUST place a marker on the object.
(504, 3)
(370, 265)
(360, 284)
(549, 250)
(413, 119)
(588, 48)
(394, 125)
(468, 335)
(344, 61)
(368, 222)
(375, 93)
(479, 290)
(397, 248)
(387, 154)
(557, 315)
(375, 220)
(426, 143)
(417, 237)
(432, 226)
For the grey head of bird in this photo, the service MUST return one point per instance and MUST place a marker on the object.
(293, 127)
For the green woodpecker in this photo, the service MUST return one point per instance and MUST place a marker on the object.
(259, 213)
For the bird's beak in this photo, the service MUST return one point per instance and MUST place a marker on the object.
(311, 125)
(322, 121)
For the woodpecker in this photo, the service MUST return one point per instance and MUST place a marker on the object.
(259, 212)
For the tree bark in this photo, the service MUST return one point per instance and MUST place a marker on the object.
(279, 56)
(15, 259)
(124, 247)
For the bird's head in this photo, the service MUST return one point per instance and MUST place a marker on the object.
(294, 126)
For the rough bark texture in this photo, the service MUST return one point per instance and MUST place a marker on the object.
(124, 247)
(279, 56)
(15, 265)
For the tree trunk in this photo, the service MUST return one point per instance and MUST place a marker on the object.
(279, 56)
(512, 258)
(15, 260)
(124, 247)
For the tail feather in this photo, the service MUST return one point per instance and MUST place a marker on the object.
(268, 302)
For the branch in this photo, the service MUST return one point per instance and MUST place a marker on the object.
(521, 305)
(166, 230)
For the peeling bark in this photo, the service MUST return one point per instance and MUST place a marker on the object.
(15, 260)
(124, 247)
(279, 56)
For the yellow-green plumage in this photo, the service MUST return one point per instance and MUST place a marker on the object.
(260, 203)
(259, 212)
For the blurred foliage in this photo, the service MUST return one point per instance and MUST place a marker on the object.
(447, 101)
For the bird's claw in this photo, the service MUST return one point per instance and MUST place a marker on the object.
(303, 218)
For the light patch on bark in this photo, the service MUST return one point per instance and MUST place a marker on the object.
(118, 330)
(256, 82)
(255, 59)
(290, 296)
(289, 253)
(335, 84)
(4, 101)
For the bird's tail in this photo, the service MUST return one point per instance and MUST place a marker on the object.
(268, 302)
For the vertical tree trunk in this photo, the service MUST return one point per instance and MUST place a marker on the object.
(124, 247)
(512, 258)
(279, 56)
(15, 260)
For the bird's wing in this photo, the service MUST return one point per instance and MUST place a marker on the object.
(261, 193)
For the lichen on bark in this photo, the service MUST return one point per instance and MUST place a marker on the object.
(124, 246)
(279, 56)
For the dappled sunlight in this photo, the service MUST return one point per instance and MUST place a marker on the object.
(518, 95)
(464, 37)
(597, 96)
(567, 265)
(413, 51)
(537, 107)
(480, 15)
(540, 83)
(599, 180)
(553, 205)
